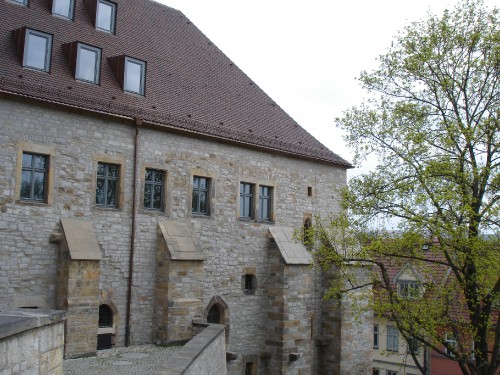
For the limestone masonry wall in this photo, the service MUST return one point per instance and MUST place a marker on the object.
(231, 247)
(31, 342)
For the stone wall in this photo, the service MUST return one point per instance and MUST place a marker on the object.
(31, 342)
(204, 354)
(231, 247)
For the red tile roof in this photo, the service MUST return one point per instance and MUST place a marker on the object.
(191, 85)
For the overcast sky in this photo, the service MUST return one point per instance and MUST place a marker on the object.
(307, 55)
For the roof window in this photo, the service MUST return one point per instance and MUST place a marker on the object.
(34, 47)
(103, 14)
(63, 8)
(84, 61)
(130, 73)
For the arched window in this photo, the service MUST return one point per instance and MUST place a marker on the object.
(213, 315)
(308, 236)
(105, 316)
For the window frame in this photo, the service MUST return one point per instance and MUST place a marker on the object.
(48, 49)
(107, 178)
(142, 64)
(97, 68)
(154, 184)
(32, 169)
(376, 336)
(451, 341)
(246, 196)
(113, 16)
(71, 12)
(392, 342)
(206, 190)
(265, 199)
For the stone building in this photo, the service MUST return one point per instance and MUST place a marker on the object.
(148, 184)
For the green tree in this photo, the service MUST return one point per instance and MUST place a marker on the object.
(432, 118)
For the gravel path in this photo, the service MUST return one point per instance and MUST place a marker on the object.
(134, 360)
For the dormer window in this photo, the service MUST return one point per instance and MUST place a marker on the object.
(105, 18)
(34, 47)
(22, 2)
(130, 73)
(63, 8)
(135, 72)
(84, 61)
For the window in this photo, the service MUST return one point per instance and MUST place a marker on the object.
(250, 368)
(375, 336)
(106, 194)
(249, 283)
(105, 316)
(34, 177)
(408, 289)
(88, 63)
(63, 8)
(213, 315)
(246, 200)
(22, 2)
(376, 371)
(200, 203)
(392, 339)
(451, 343)
(390, 372)
(413, 345)
(265, 202)
(153, 189)
(37, 50)
(135, 73)
(105, 16)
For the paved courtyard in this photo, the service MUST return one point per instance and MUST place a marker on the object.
(134, 360)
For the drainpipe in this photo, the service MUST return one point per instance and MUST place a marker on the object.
(138, 122)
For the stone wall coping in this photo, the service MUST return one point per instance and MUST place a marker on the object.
(293, 252)
(15, 321)
(180, 361)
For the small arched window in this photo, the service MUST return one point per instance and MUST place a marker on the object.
(308, 235)
(213, 315)
(105, 316)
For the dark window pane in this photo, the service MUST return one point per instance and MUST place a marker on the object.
(195, 201)
(111, 193)
(147, 196)
(27, 160)
(203, 202)
(101, 169)
(39, 186)
(40, 161)
(99, 193)
(112, 171)
(26, 185)
(203, 183)
(157, 197)
(158, 177)
(149, 175)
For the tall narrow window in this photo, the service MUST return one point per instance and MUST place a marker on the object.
(88, 63)
(451, 343)
(34, 177)
(200, 203)
(37, 50)
(265, 202)
(392, 339)
(375, 336)
(63, 8)
(107, 185)
(105, 16)
(153, 189)
(246, 200)
(135, 74)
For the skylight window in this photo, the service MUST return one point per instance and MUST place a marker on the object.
(105, 16)
(134, 76)
(63, 8)
(37, 50)
(88, 63)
